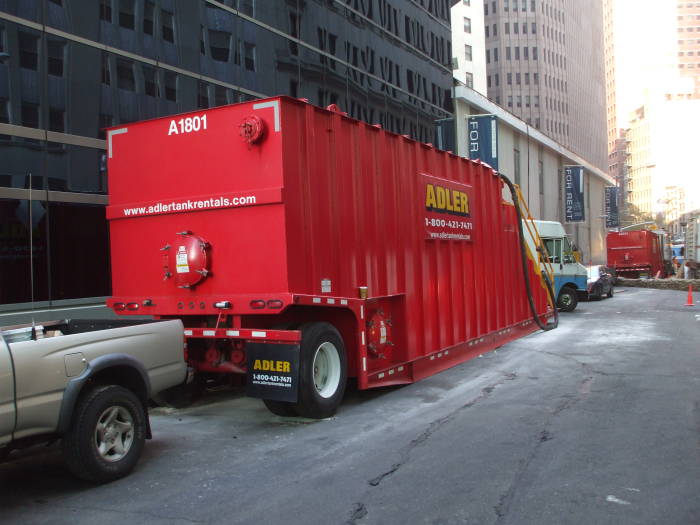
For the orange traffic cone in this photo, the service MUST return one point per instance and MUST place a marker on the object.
(690, 296)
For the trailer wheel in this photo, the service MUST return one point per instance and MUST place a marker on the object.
(107, 435)
(322, 371)
(567, 300)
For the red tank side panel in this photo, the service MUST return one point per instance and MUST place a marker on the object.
(356, 211)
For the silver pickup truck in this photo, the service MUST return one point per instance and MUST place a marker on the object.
(86, 383)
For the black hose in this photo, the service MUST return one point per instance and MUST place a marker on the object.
(523, 259)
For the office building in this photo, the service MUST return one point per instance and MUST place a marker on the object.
(544, 61)
(69, 68)
(468, 44)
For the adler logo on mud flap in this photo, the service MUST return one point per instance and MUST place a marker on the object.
(447, 212)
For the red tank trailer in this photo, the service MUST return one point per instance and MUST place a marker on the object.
(302, 247)
(635, 254)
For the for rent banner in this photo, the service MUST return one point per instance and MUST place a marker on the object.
(612, 207)
(573, 194)
(483, 139)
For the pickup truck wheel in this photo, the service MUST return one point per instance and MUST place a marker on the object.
(611, 292)
(567, 300)
(322, 371)
(107, 434)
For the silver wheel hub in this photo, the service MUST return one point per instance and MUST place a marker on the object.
(326, 368)
(114, 433)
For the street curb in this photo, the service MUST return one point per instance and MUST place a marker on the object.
(660, 284)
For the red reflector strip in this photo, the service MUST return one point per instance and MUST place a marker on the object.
(257, 305)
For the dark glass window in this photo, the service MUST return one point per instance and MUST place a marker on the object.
(293, 32)
(56, 56)
(171, 86)
(203, 95)
(219, 45)
(57, 2)
(3, 46)
(30, 115)
(221, 96)
(105, 121)
(126, 14)
(23, 253)
(57, 120)
(167, 25)
(28, 51)
(125, 75)
(106, 75)
(247, 7)
(148, 15)
(150, 81)
(80, 260)
(4, 111)
(249, 56)
(106, 10)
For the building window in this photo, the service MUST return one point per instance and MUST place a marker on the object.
(497, 79)
(509, 79)
(56, 56)
(149, 10)
(249, 56)
(467, 25)
(486, 30)
(167, 25)
(468, 52)
(527, 79)
(106, 10)
(488, 81)
(30, 115)
(510, 101)
(106, 76)
(488, 56)
(4, 111)
(28, 51)
(247, 7)
(507, 28)
(495, 54)
(219, 45)
(203, 96)
(170, 86)
(150, 81)
(517, 79)
(534, 53)
(515, 28)
(517, 53)
(532, 5)
(126, 14)
(57, 120)
(505, 6)
(525, 53)
(507, 53)
(533, 28)
(493, 8)
(467, 2)
(469, 80)
(125, 75)
(486, 9)
(495, 29)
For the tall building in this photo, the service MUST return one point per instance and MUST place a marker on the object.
(69, 68)
(688, 27)
(544, 61)
(468, 44)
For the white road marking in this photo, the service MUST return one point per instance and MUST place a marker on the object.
(613, 499)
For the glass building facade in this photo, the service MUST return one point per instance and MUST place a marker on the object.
(69, 68)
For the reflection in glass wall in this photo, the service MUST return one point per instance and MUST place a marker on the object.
(385, 62)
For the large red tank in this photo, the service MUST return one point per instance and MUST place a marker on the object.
(635, 254)
(255, 222)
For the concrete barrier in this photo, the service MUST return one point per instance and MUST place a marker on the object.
(661, 284)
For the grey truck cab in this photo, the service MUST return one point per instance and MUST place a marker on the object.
(86, 383)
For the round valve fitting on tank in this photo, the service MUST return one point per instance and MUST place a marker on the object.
(187, 256)
(252, 129)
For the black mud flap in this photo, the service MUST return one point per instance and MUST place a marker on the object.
(273, 371)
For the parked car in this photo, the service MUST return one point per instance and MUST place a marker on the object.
(601, 282)
(86, 383)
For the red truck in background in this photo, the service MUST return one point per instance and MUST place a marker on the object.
(301, 247)
(637, 253)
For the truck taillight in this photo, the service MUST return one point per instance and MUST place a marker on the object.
(119, 307)
(274, 304)
(132, 306)
(257, 304)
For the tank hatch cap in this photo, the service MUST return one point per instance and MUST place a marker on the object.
(187, 255)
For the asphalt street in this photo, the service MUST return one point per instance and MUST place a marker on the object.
(597, 422)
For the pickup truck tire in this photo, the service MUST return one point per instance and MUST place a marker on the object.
(567, 300)
(107, 434)
(322, 371)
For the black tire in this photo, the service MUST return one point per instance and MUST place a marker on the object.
(4, 453)
(280, 408)
(567, 300)
(611, 292)
(114, 409)
(320, 396)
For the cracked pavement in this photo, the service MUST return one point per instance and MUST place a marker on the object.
(595, 422)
